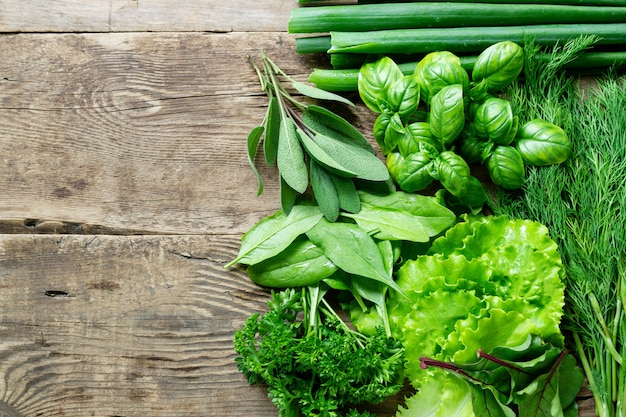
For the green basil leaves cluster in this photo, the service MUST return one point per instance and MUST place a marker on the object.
(435, 122)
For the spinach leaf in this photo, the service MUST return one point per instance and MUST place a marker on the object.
(273, 234)
(402, 216)
(352, 249)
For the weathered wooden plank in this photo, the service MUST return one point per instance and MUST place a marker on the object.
(125, 326)
(135, 15)
(139, 132)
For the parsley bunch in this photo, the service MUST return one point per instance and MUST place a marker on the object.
(319, 367)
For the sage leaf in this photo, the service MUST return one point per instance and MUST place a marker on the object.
(365, 165)
(288, 196)
(352, 249)
(290, 157)
(253, 143)
(300, 264)
(321, 156)
(272, 131)
(274, 233)
(324, 191)
(325, 122)
(402, 216)
(318, 93)
(349, 199)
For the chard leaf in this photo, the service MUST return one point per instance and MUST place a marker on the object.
(324, 191)
(318, 93)
(272, 132)
(351, 249)
(253, 143)
(541, 398)
(274, 233)
(300, 264)
(402, 216)
(290, 157)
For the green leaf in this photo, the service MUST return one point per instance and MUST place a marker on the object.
(318, 93)
(374, 79)
(453, 173)
(320, 155)
(290, 157)
(324, 191)
(404, 95)
(349, 199)
(364, 164)
(253, 143)
(272, 132)
(447, 114)
(301, 263)
(288, 196)
(352, 249)
(325, 122)
(402, 216)
(274, 233)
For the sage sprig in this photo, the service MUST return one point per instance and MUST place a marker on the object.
(313, 148)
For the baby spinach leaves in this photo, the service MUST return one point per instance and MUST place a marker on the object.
(312, 147)
(357, 252)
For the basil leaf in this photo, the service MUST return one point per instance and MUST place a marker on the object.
(324, 191)
(290, 157)
(447, 114)
(272, 129)
(404, 95)
(325, 122)
(353, 250)
(402, 216)
(411, 173)
(301, 263)
(253, 143)
(506, 167)
(388, 130)
(318, 93)
(274, 233)
(453, 173)
(374, 79)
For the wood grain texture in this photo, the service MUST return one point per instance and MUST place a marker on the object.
(125, 326)
(140, 132)
(142, 15)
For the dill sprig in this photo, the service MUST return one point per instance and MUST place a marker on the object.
(583, 203)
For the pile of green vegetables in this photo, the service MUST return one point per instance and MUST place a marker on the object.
(466, 308)
(350, 34)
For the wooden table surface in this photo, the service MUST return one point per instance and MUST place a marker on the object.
(124, 189)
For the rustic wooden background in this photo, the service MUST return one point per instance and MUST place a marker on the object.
(124, 189)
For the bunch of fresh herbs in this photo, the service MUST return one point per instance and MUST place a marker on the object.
(583, 203)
